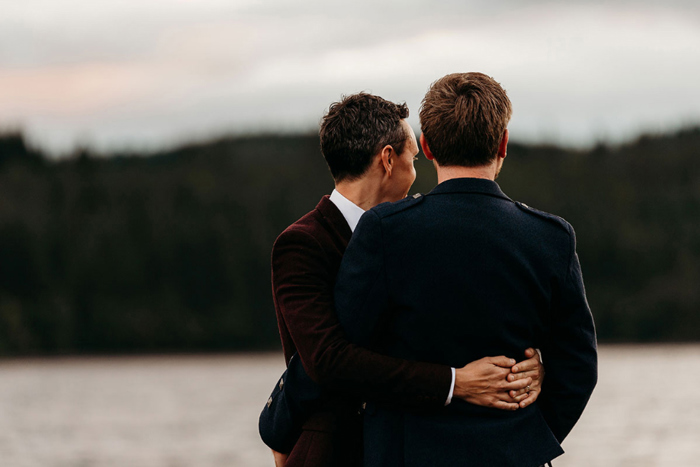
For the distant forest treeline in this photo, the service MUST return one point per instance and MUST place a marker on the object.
(170, 252)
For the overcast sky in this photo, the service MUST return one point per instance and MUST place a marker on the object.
(152, 73)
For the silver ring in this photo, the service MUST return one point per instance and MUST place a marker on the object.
(527, 388)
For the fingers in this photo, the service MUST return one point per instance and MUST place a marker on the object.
(531, 397)
(514, 394)
(511, 398)
(517, 385)
(521, 397)
(501, 361)
(530, 352)
(534, 374)
(526, 365)
(505, 405)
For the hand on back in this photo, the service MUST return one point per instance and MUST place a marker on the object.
(500, 382)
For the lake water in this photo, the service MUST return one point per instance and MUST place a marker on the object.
(187, 411)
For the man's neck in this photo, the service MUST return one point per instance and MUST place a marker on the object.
(361, 192)
(487, 172)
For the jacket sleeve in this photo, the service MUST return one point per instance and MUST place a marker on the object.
(303, 290)
(568, 352)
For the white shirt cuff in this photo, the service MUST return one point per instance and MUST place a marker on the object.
(452, 389)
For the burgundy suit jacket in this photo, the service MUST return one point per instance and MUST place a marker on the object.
(305, 261)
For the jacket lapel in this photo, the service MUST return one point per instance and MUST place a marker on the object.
(334, 221)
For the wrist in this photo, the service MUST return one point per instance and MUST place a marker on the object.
(461, 385)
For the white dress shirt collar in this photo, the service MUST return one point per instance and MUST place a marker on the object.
(350, 211)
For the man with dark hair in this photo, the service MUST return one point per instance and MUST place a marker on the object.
(355, 128)
(464, 272)
(370, 149)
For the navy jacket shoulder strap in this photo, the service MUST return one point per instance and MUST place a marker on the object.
(545, 215)
(388, 209)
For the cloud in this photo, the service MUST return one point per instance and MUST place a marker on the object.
(141, 72)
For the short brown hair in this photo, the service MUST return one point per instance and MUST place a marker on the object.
(355, 129)
(463, 117)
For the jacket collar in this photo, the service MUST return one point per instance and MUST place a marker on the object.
(469, 185)
(334, 218)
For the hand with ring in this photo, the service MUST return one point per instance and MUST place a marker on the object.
(530, 368)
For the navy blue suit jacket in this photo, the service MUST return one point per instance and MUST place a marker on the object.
(456, 275)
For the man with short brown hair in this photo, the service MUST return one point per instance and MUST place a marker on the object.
(464, 117)
(460, 273)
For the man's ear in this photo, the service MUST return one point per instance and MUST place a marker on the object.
(503, 147)
(386, 160)
(426, 149)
